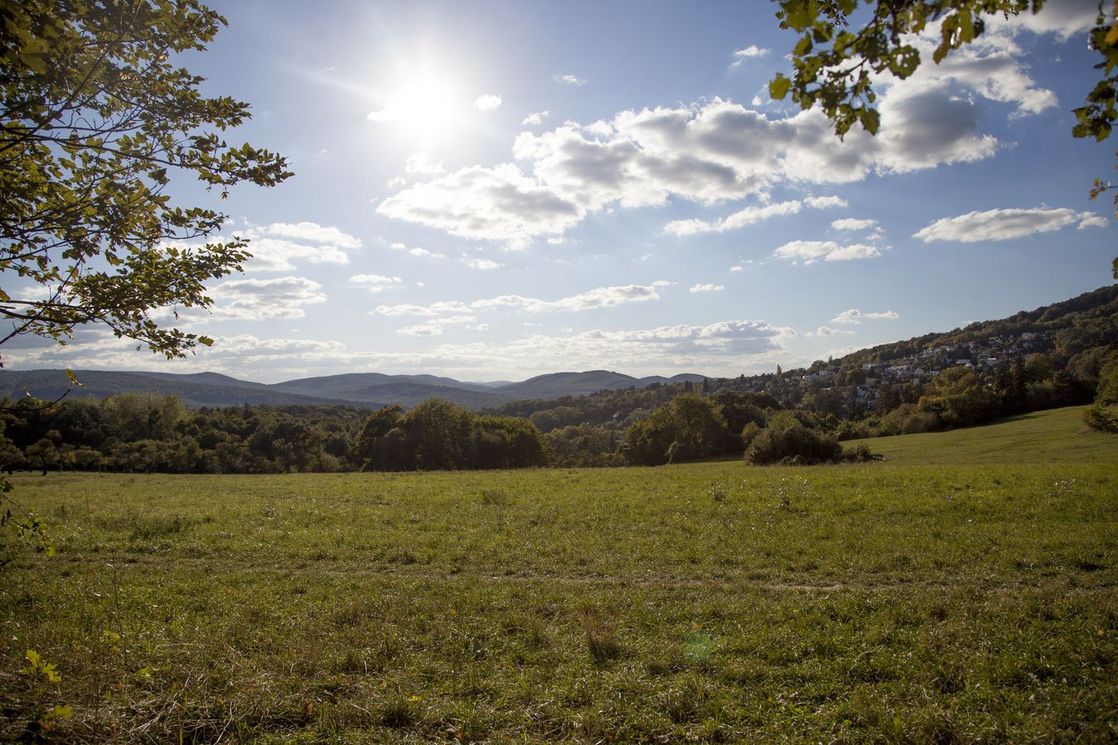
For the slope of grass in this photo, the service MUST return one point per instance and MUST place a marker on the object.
(1054, 436)
(710, 602)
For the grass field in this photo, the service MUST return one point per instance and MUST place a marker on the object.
(881, 602)
(1054, 436)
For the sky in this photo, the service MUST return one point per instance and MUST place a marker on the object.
(497, 190)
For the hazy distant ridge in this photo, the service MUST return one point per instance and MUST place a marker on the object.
(371, 390)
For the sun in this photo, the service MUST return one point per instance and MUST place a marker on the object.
(422, 104)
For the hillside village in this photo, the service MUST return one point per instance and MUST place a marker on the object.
(986, 355)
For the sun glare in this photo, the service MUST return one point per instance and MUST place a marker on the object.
(422, 105)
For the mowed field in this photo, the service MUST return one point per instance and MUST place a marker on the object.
(971, 600)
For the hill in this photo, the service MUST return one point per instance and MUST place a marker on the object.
(559, 385)
(1055, 436)
(196, 390)
(368, 390)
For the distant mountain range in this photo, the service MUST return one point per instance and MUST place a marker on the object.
(370, 390)
(1074, 325)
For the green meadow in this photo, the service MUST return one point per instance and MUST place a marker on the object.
(963, 590)
(1055, 436)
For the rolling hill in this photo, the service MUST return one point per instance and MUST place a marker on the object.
(1056, 436)
(368, 390)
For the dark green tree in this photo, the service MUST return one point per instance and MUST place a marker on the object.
(688, 427)
(376, 426)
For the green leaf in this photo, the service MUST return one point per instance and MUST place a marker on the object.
(61, 711)
(799, 14)
(871, 120)
(779, 87)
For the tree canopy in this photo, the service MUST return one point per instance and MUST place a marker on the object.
(96, 120)
(834, 65)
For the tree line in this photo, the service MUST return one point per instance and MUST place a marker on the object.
(145, 432)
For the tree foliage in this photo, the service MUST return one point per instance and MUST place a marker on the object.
(95, 122)
(438, 435)
(785, 438)
(687, 428)
(834, 65)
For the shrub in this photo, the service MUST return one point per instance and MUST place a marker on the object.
(749, 434)
(858, 454)
(1102, 418)
(785, 438)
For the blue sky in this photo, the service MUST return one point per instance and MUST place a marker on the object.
(498, 190)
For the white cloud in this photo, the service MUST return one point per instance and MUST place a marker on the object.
(853, 224)
(599, 297)
(822, 203)
(932, 117)
(373, 282)
(416, 251)
(750, 52)
(715, 151)
(432, 328)
(728, 345)
(855, 316)
(242, 354)
(710, 287)
(264, 299)
(309, 231)
(487, 102)
(535, 119)
(725, 347)
(1063, 18)
(741, 56)
(435, 327)
(749, 216)
(570, 80)
(499, 204)
(277, 255)
(827, 331)
(279, 246)
(37, 292)
(482, 264)
(737, 268)
(1005, 224)
(424, 311)
(684, 347)
(809, 252)
(708, 153)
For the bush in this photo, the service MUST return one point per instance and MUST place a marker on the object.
(748, 434)
(860, 453)
(786, 439)
(1102, 418)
